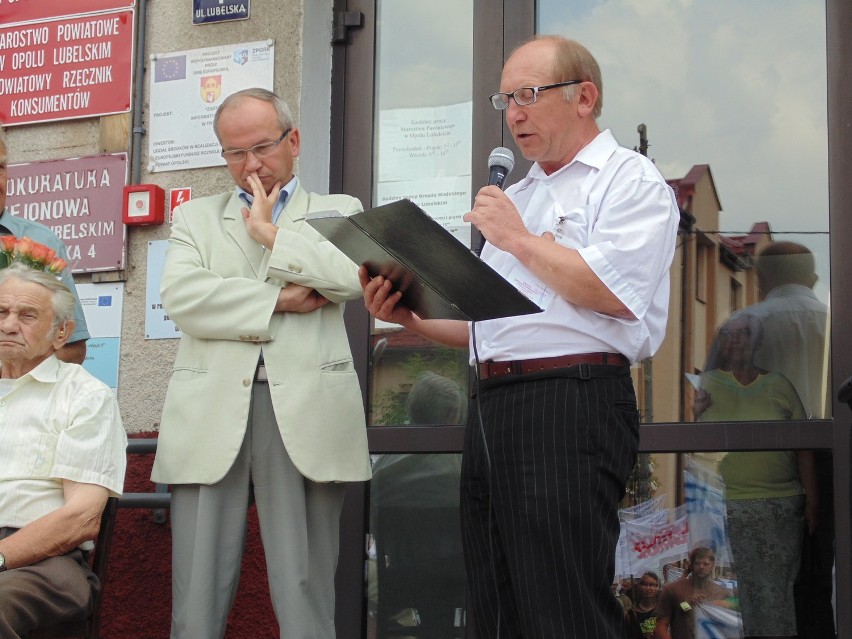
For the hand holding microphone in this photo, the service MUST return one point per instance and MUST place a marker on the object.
(500, 164)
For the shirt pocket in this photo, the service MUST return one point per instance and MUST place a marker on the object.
(571, 227)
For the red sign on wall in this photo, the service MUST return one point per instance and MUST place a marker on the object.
(68, 68)
(80, 200)
(29, 10)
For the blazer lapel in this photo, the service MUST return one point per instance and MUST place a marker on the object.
(236, 227)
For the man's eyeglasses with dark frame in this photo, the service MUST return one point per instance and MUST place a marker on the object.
(237, 156)
(525, 96)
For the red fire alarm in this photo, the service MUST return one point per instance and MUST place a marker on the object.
(143, 204)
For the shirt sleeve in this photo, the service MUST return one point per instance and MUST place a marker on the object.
(93, 448)
(632, 241)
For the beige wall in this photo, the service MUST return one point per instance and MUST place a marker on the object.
(145, 365)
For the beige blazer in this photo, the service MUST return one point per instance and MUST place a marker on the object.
(220, 287)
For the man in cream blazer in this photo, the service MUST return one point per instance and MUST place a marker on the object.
(264, 400)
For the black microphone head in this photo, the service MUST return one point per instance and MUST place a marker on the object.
(501, 156)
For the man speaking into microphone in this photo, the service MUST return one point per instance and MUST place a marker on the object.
(589, 235)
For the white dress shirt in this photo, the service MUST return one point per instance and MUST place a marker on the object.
(614, 207)
(57, 423)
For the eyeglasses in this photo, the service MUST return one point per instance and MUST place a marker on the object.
(237, 156)
(525, 95)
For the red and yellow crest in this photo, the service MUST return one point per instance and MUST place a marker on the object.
(211, 88)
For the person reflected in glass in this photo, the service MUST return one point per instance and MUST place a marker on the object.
(642, 618)
(675, 611)
(795, 326)
(769, 495)
(414, 506)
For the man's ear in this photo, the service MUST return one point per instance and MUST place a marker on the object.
(587, 98)
(63, 334)
(295, 142)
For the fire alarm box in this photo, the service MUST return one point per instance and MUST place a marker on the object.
(143, 204)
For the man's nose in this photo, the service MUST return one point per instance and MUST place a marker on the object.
(9, 323)
(514, 113)
(253, 163)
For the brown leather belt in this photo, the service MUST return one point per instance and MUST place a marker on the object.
(526, 366)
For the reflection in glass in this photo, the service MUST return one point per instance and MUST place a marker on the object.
(747, 509)
(416, 569)
(423, 149)
(671, 70)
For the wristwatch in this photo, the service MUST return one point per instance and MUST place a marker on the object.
(2, 562)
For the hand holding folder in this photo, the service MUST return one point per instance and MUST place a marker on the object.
(438, 276)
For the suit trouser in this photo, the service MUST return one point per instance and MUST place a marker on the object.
(52, 591)
(541, 481)
(299, 527)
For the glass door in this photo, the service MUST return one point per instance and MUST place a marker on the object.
(730, 101)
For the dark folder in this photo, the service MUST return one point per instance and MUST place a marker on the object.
(438, 276)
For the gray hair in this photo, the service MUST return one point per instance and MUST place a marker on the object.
(435, 399)
(63, 301)
(285, 116)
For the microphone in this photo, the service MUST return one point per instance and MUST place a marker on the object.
(500, 164)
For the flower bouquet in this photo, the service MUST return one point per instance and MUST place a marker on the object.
(30, 253)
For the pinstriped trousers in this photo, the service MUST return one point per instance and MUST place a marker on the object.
(542, 477)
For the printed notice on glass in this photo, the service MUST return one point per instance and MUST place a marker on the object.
(186, 89)
(424, 155)
(433, 141)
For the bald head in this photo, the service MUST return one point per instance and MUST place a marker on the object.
(783, 263)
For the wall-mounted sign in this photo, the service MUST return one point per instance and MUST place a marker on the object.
(177, 197)
(186, 89)
(80, 200)
(204, 11)
(158, 324)
(12, 11)
(66, 68)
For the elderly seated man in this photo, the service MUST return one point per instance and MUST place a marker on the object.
(62, 454)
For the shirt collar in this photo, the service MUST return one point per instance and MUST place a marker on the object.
(786, 290)
(595, 155)
(283, 196)
(47, 371)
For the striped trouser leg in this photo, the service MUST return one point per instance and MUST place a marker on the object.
(541, 480)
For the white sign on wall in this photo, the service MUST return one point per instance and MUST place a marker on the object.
(186, 89)
(102, 306)
(158, 325)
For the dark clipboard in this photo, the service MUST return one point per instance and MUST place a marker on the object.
(438, 276)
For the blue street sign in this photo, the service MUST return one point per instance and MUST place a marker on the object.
(205, 11)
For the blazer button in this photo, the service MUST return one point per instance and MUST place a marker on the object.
(247, 382)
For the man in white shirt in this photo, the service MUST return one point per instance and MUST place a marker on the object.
(62, 454)
(589, 235)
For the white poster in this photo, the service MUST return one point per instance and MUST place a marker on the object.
(158, 325)
(445, 199)
(102, 305)
(186, 89)
(424, 155)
